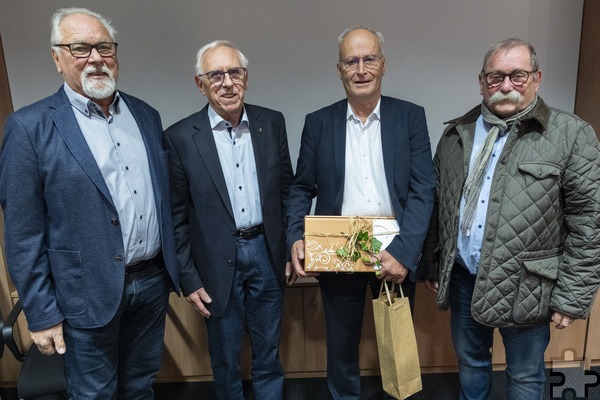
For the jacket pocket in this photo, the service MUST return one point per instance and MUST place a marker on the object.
(540, 170)
(532, 302)
(69, 281)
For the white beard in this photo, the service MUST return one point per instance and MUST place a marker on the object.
(98, 87)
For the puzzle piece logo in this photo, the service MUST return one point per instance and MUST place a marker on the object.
(571, 383)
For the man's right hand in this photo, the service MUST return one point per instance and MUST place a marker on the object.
(298, 260)
(199, 299)
(51, 340)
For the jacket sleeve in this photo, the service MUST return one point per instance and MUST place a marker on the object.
(189, 278)
(22, 199)
(287, 174)
(304, 186)
(579, 271)
(407, 246)
(431, 247)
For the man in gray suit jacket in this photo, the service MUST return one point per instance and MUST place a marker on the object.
(230, 173)
(365, 155)
(89, 237)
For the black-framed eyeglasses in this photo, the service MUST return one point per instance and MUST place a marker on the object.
(83, 50)
(236, 74)
(370, 61)
(517, 78)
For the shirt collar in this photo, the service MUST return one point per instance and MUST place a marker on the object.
(374, 115)
(217, 122)
(86, 106)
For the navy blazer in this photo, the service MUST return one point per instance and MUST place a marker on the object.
(64, 246)
(408, 170)
(202, 214)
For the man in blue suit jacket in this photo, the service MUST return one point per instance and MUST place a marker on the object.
(365, 155)
(230, 173)
(89, 237)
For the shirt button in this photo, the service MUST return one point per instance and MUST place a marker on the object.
(119, 258)
(114, 221)
(230, 263)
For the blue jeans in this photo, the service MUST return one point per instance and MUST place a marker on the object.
(525, 368)
(121, 359)
(255, 305)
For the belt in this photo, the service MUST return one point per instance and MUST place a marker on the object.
(250, 233)
(144, 264)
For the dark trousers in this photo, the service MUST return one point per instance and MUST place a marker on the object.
(343, 297)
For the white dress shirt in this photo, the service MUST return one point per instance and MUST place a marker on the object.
(366, 192)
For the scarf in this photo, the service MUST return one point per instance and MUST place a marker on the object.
(473, 183)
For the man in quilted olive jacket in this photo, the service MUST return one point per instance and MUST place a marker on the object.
(516, 241)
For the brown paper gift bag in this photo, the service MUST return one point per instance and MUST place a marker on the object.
(396, 344)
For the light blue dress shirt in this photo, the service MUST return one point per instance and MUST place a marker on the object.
(236, 156)
(468, 248)
(118, 148)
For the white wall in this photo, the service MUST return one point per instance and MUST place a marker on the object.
(434, 49)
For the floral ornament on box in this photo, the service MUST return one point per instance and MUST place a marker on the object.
(361, 244)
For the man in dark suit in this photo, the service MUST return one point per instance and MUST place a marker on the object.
(230, 174)
(365, 155)
(89, 237)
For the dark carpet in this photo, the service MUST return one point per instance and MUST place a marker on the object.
(564, 384)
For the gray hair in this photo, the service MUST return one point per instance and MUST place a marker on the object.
(61, 14)
(509, 44)
(343, 35)
(214, 45)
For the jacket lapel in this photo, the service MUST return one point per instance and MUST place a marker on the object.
(259, 143)
(67, 126)
(207, 150)
(388, 140)
(339, 147)
(153, 150)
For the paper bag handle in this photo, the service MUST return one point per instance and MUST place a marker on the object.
(387, 291)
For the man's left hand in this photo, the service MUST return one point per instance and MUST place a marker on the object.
(290, 274)
(561, 320)
(391, 270)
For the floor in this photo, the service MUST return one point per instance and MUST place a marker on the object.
(566, 384)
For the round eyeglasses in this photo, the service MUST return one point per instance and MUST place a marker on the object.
(83, 50)
(236, 74)
(517, 78)
(370, 61)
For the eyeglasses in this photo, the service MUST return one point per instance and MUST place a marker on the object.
(83, 50)
(370, 61)
(517, 78)
(236, 74)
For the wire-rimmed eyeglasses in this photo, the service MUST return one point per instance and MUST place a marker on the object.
(236, 74)
(370, 61)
